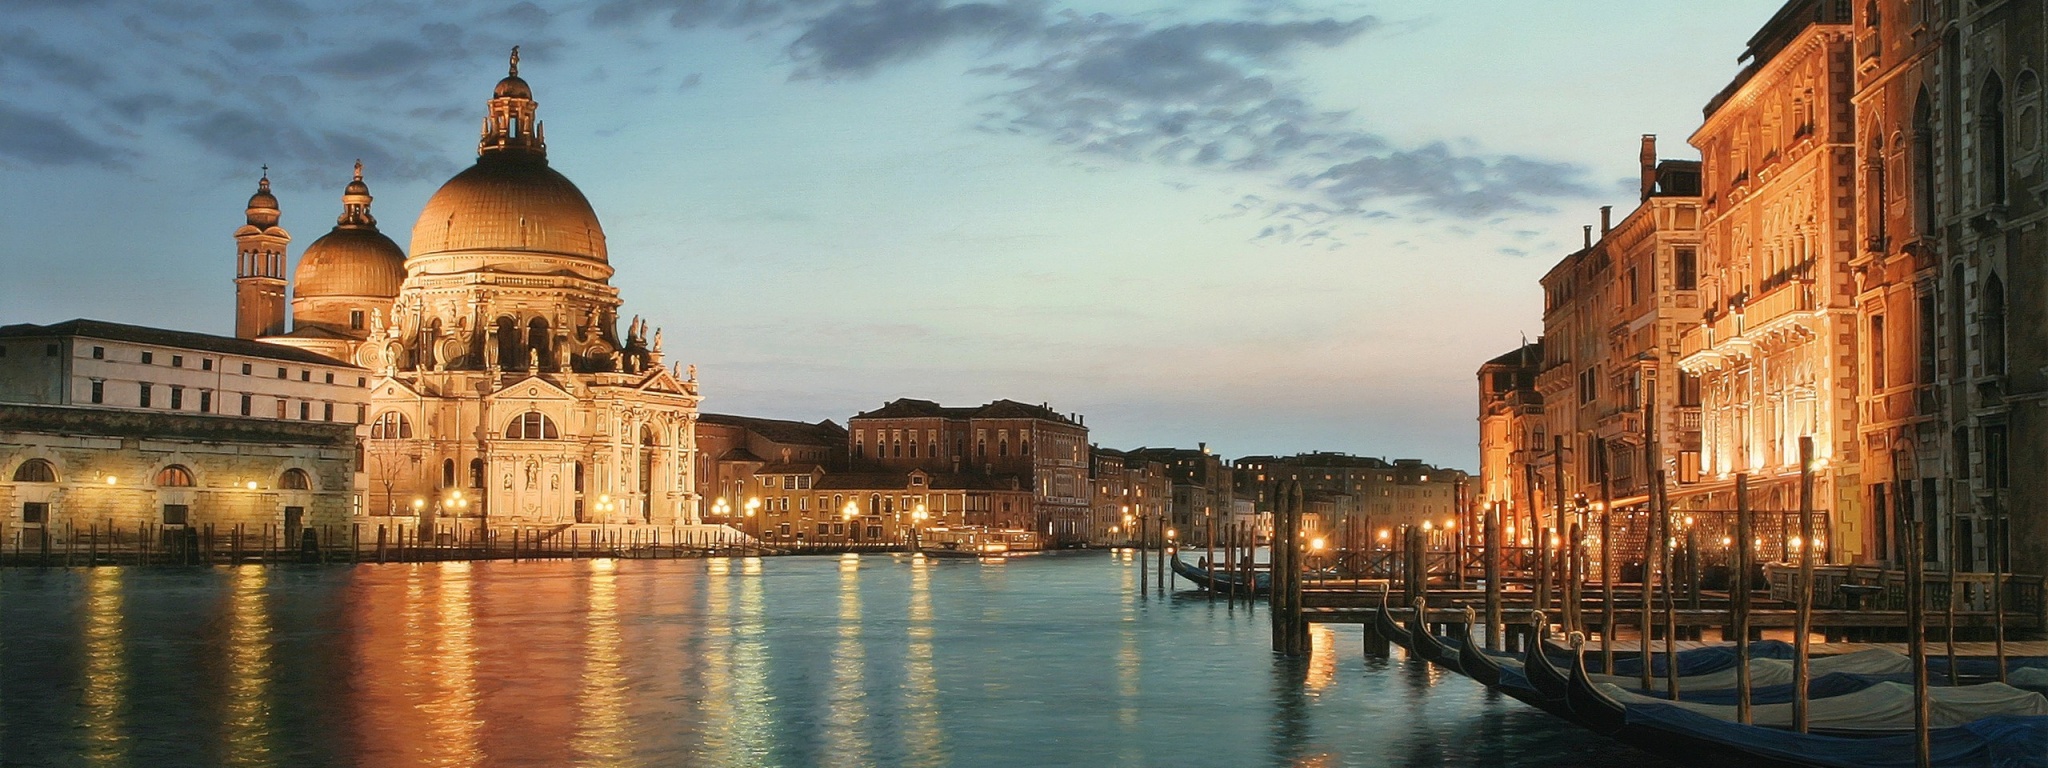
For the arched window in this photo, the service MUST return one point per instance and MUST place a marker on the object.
(532, 425)
(538, 340)
(447, 473)
(35, 471)
(174, 476)
(1994, 327)
(476, 473)
(391, 425)
(1923, 163)
(579, 477)
(1991, 139)
(509, 355)
(295, 480)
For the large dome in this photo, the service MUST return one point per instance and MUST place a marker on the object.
(509, 202)
(350, 261)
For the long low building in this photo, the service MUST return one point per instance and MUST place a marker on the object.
(112, 425)
(69, 472)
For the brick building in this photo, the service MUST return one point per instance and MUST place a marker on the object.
(1045, 451)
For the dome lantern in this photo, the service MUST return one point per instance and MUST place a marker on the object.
(510, 128)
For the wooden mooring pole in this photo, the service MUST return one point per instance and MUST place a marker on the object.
(1738, 585)
(1606, 562)
(1802, 623)
(1492, 544)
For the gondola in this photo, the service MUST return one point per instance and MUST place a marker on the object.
(1383, 622)
(1474, 661)
(1550, 683)
(1262, 583)
(1426, 645)
(1672, 730)
(1593, 709)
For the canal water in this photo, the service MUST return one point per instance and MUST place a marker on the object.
(876, 660)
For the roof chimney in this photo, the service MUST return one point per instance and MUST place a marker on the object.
(1606, 220)
(1649, 160)
(1589, 235)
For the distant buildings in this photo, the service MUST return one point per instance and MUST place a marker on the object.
(1357, 495)
(1044, 451)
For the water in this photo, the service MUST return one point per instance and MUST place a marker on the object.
(878, 660)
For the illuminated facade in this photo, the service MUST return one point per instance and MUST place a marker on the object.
(1777, 348)
(1044, 450)
(505, 389)
(1512, 437)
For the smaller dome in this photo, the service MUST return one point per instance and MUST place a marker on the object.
(263, 210)
(512, 87)
(350, 261)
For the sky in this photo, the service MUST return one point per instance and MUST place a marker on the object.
(1271, 227)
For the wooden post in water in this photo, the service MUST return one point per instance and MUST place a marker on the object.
(1916, 619)
(1738, 585)
(1494, 513)
(2001, 551)
(1606, 561)
(1277, 562)
(1802, 621)
(1653, 474)
(1562, 556)
(1144, 565)
(1209, 553)
(1664, 562)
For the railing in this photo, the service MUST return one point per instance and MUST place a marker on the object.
(1784, 301)
(2023, 593)
(1693, 341)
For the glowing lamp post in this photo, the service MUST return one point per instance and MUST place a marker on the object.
(753, 506)
(846, 516)
(917, 518)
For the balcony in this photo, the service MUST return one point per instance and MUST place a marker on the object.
(1789, 304)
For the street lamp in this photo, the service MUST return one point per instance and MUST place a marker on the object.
(917, 518)
(752, 506)
(846, 516)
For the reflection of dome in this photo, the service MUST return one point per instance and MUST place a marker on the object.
(350, 261)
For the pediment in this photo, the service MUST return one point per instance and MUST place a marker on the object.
(534, 388)
(389, 387)
(663, 382)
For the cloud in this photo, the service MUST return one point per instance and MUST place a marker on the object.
(43, 139)
(858, 38)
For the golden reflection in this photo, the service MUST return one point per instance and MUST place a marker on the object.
(248, 670)
(750, 670)
(1322, 658)
(603, 737)
(846, 725)
(1128, 663)
(926, 740)
(455, 705)
(106, 669)
(720, 724)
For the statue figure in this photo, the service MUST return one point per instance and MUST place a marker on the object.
(532, 360)
(657, 339)
(376, 324)
(693, 371)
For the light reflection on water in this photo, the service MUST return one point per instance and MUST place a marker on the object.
(873, 660)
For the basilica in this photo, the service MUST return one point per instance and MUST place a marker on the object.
(503, 388)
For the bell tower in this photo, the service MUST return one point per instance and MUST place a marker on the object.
(259, 267)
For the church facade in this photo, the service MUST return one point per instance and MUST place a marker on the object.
(505, 391)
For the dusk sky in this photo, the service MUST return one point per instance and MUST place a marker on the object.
(1269, 226)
